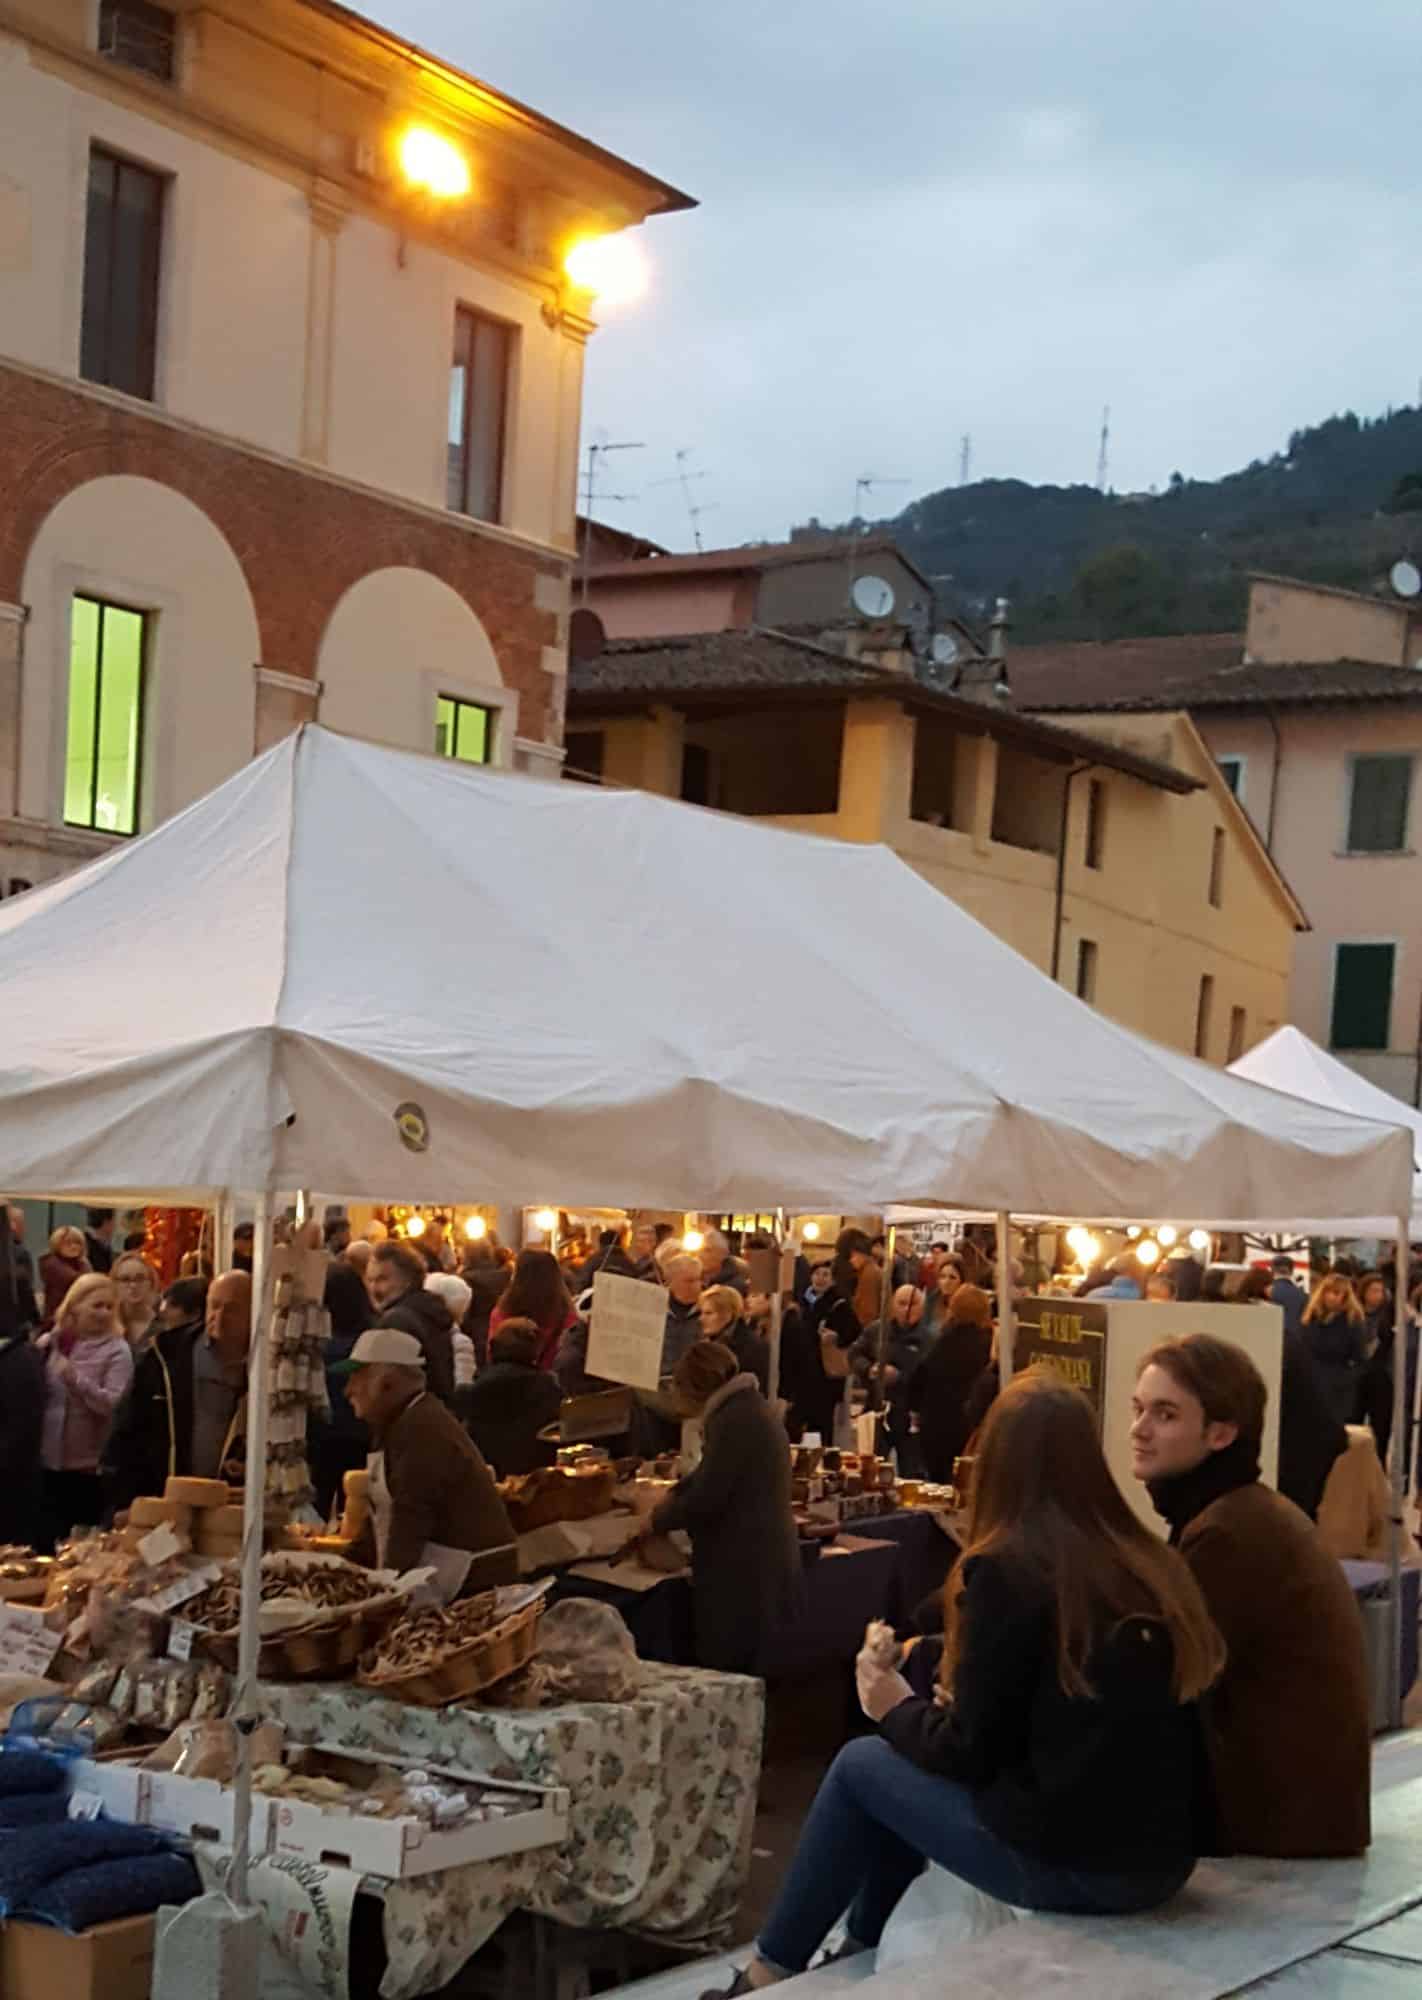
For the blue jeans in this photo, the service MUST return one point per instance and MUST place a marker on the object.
(877, 1818)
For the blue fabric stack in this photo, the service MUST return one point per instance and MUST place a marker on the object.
(87, 1872)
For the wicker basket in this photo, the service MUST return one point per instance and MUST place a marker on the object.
(326, 1648)
(551, 1495)
(479, 1664)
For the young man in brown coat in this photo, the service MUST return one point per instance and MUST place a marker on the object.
(1288, 1726)
(433, 1499)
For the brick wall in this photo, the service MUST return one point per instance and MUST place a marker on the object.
(302, 539)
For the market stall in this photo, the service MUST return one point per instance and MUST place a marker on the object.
(583, 1059)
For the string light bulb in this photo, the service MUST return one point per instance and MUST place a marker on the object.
(1199, 1239)
(693, 1240)
(414, 1224)
(1168, 1234)
(476, 1228)
(811, 1232)
(546, 1220)
(1148, 1253)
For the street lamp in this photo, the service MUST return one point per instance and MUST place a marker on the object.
(430, 161)
(612, 268)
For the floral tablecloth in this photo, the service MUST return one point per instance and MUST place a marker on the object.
(663, 1794)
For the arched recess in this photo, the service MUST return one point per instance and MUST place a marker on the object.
(396, 642)
(137, 543)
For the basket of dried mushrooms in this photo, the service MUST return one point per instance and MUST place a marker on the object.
(443, 1655)
(318, 1614)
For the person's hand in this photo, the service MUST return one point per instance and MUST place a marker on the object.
(62, 1366)
(879, 1690)
(891, 1374)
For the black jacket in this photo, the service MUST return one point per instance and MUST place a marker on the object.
(751, 1352)
(1310, 1435)
(22, 1389)
(939, 1390)
(488, 1283)
(1109, 1783)
(903, 1351)
(504, 1410)
(1336, 1347)
(745, 1553)
(813, 1395)
(426, 1315)
(152, 1432)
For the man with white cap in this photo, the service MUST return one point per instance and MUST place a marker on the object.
(433, 1499)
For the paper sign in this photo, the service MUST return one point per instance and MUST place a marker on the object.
(85, 1805)
(1069, 1337)
(160, 1545)
(181, 1589)
(629, 1323)
(180, 1639)
(27, 1646)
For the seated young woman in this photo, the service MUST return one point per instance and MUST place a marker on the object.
(1056, 1766)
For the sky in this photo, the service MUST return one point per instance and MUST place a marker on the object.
(922, 219)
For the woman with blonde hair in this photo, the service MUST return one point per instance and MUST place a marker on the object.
(88, 1367)
(136, 1289)
(62, 1265)
(1335, 1333)
(1059, 1770)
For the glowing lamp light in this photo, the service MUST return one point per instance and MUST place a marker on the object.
(1168, 1234)
(1199, 1239)
(693, 1240)
(1134, 1231)
(1078, 1241)
(811, 1232)
(414, 1225)
(612, 268)
(476, 1229)
(1148, 1252)
(546, 1220)
(431, 162)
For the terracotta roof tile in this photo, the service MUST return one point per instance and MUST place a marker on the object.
(1090, 675)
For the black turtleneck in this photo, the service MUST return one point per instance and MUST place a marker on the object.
(1184, 1495)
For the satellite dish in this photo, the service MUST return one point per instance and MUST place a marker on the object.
(945, 649)
(872, 597)
(1406, 578)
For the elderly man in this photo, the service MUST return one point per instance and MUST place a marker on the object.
(219, 1369)
(903, 1346)
(433, 1498)
(395, 1278)
(719, 1267)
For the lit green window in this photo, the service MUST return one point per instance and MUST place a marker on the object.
(101, 762)
(463, 730)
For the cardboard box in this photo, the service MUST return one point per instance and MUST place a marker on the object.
(407, 1846)
(201, 1809)
(121, 1789)
(111, 1962)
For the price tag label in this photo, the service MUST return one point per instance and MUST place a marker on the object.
(159, 1545)
(85, 1805)
(181, 1589)
(180, 1639)
(27, 1646)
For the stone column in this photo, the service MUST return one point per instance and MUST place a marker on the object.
(12, 652)
(328, 216)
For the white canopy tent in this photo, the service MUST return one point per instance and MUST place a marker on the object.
(365, 970)
(587, 993)
(1287, 1060)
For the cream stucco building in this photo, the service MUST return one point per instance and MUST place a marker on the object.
(1114, 856)
(290, 388)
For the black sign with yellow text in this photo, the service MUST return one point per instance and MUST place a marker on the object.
(1067, 1335)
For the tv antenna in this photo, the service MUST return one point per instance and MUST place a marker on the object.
(965, 459)
(1103, 457)
(591, 498)
(864, 485)
(685, 481)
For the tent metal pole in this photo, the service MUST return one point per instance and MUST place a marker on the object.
(1006, 1302)
(1397, 1468)
(244, 1702)
(886, 1296)
(785, 1265)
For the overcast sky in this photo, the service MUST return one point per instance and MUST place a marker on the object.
(921, 218)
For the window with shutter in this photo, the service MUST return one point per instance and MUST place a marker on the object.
(1362, 996)
(1377, 804)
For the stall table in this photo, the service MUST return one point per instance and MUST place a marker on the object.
(927, 1551)
(663, 1796)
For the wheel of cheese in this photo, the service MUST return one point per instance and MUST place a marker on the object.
(198, 1492)
(147, 1512)
(214, 1522)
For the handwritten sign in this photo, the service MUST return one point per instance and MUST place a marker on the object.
(1069, 1337)
(629, 1323)
(27, 1646)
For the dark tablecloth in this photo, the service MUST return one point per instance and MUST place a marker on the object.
(842, 1593)
(926, 1554)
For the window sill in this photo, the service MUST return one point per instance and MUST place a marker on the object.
(1375, 854)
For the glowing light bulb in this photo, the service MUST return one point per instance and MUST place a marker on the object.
(612, 268)
(431, 162)
(1199, 1239)
(546, 1220)
(1148, 1252)
(1078, 1240)
(1168, 1234)
(693, 1240)
(414, 1225)
(476, 1229)
(1134, 1231)
(811, 1232)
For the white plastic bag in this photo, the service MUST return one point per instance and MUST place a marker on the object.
(938, 1912)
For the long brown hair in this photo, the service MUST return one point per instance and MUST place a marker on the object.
(536, 1291)
(1044, 1496)
(1316, 1309)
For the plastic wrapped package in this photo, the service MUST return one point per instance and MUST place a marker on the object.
(586, 1653)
